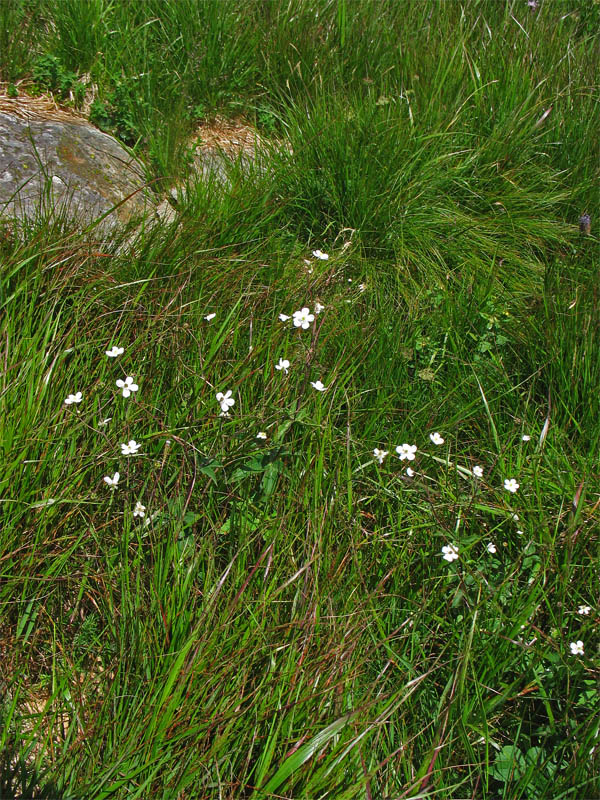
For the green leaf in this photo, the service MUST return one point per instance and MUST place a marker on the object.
(270, 478)
(510, 763)
(303, 754)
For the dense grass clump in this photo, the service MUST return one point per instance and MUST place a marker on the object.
(300, 490)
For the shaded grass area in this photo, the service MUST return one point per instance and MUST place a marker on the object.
(281, 622)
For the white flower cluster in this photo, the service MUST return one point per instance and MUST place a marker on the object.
(303, 319)
(128, 387)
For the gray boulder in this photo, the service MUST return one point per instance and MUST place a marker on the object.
(66, 168)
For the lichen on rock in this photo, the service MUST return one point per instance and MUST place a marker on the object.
(64, 166)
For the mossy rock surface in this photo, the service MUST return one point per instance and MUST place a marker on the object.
(67, 169)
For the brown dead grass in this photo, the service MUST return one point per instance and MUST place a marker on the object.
(42, 107)
(229, 136)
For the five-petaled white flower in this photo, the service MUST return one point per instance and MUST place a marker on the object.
(318, 308)
(284, 317)
(303, 318)
(410, 472)
(208, 317)
(115, 351)
(491, 548)
(128, 386)
(478, 472)
(380, 454)
(576, 648)
(450, 552)
(406, 451)
(283, 364)
(112, 482)
(261, 435)
(73, 398)
(226, 401)
(139, 510)
(525, 437)
(584, 610)
(318, 386)
(320, 255)
(130, 448)
(511, 485)
(436, 438)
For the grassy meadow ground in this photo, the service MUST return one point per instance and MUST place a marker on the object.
(282, 622)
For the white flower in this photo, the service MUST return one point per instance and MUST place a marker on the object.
(104, 422)
(284, 317)
(321, 256)
(519, 533)
(491, 548)
(283, 364)
(73, 398)
(208, 317)
(226, 401)
(261, 435)
(406, 451)
(380, 454)
(450, 552)
(112, 482)
(128, 386)
(362, 287)
(525, 438)
(139, 510)
(303, 318)
(576, 648)
(478, 472)
(410, 472)
(115, 351)
(318, 386)
(130, 448)
(511, 485)
(318, 308)
(436, 438)
(584, 610)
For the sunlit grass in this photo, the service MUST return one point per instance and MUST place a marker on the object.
(341, 538)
